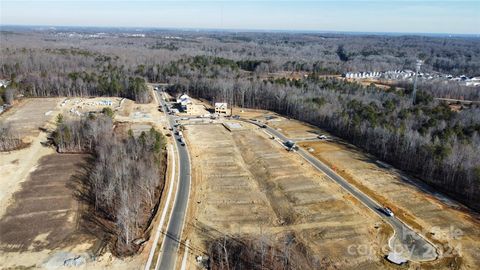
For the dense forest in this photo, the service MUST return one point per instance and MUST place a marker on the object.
(124, 181)
(426, 137)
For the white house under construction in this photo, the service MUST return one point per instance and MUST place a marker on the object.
(221, 107)
(185, 103)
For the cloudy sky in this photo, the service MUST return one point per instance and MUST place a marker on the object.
(407, 16)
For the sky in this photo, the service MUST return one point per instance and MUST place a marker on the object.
(403, 16)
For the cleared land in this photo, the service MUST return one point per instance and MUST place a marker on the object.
(247, 184)
(454, 229)
(29, 115)
(26, 118)
(449, 225)
(43, 217)
(38, 213)
(293, 129)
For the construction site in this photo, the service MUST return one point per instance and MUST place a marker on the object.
(40, 214)
(247, 184)
(244, 185)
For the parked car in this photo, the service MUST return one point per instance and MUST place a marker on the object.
(322, 137)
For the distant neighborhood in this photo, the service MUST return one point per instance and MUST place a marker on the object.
(410, 74)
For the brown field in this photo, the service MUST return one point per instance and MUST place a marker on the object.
(26, 117)
(293, 129)
(29, 115)
(43, 217)
(39, 223)
(453, 228)
(246, 184)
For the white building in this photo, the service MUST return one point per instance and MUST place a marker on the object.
(221, 107)
(184, 102)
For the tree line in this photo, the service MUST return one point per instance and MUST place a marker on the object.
(49, 64)
(123, 182)
(260, 252)
(427, 138)
(9, 140)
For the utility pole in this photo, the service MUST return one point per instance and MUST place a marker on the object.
(417, 70)
(233, 100)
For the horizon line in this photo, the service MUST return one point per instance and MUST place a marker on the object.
(244, 30)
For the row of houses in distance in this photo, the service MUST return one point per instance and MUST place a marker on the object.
(409, 74)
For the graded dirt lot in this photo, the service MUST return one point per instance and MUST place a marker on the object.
(25, 118)
(29, 115)
(43, 217)
(243, 183)
(450, 226)
(293, 129)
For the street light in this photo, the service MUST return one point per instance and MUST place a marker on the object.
(417, 70)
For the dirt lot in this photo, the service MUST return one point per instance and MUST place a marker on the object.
(25, 118)
(42, 229)
(44, 213)
(30, 114)
(244, 183)
(38, 221)
(293, 129)
(451, 227)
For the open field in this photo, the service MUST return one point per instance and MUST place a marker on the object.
(43, 217)
(293, 129)
(449, 225)
(26, 118)
(247, 184)
(29, 115)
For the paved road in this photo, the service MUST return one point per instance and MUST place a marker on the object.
(412, 245)
(169, 250)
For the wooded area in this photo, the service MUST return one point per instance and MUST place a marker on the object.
(124, 180)
(427, 139)
(229, 252)
(8, 139)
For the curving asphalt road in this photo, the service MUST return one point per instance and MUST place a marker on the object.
(169, 249)
(409, 243)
